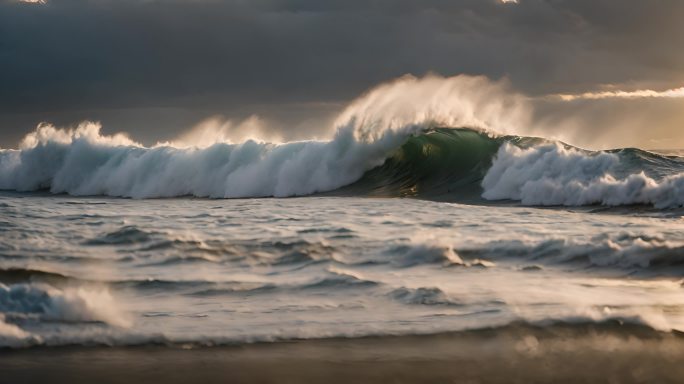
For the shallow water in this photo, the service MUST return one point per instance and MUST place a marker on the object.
(120, 272)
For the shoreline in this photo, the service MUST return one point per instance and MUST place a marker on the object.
(608, 352)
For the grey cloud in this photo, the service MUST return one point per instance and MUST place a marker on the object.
(154, 67)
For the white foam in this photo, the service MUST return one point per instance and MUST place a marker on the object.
(555, 175)
(70, 304)
(13, 336)
(82, 161)
(427, 253)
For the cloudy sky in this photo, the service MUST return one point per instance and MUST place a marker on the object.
(609, 70)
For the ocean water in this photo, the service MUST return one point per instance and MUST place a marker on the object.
(454, 230)
(395, 226)
(121, 272)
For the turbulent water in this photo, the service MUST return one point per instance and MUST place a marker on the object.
(100, 270)
(120, 272)
(498, 229)
(435, 163)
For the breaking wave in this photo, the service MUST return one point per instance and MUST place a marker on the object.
(66, 304)
(453, 164)
(389, 142)
(554, 174)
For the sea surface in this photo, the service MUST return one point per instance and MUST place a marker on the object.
(408, 230)
(92, 270)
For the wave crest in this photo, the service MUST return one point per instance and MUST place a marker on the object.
(68, 304)
(395, 140)
(554, 174)
(84, 162)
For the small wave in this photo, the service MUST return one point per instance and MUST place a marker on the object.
(158, 248)
(625, 328)
(160, 284)
(422, 296)
(170, 244)
(636, 255)
(68, 304)
(76, 202)
(339, 282)
(7, 224)
(532, 268)
(338, 279)
(11, 336)
(291, 252)
(410, 255)
(122, 236)
(236, 288)
(629, 253)
(195, 287)
(208, 247)
(27, 275)
(338, 230)
(183, 259)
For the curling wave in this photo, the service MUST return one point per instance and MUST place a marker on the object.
(81, 161)
(452, 164)
(390, 142)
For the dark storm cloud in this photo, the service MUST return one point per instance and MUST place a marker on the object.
(154, 67)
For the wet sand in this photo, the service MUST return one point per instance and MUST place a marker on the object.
(519, 354)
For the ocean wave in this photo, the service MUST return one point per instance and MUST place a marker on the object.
(81, 161)
(87, 164)
(555, 174)
(123, 236)
(40, 314)
(14, 337)
(338, 279)
(386, 143)
(236, 288)
(27, 275)
(196, 287)
(626, 327)
(278, 253)
(414, 254)
(625, 253)
(421, 161)
(64, 304)
(423, 296)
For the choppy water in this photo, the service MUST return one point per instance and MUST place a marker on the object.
(81, 265)
(117, 271)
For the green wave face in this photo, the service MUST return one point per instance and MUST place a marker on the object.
(449, 164)
(439, 163)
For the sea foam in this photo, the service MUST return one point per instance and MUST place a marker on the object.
(554, 174)
(68, 304)
(82, 161)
